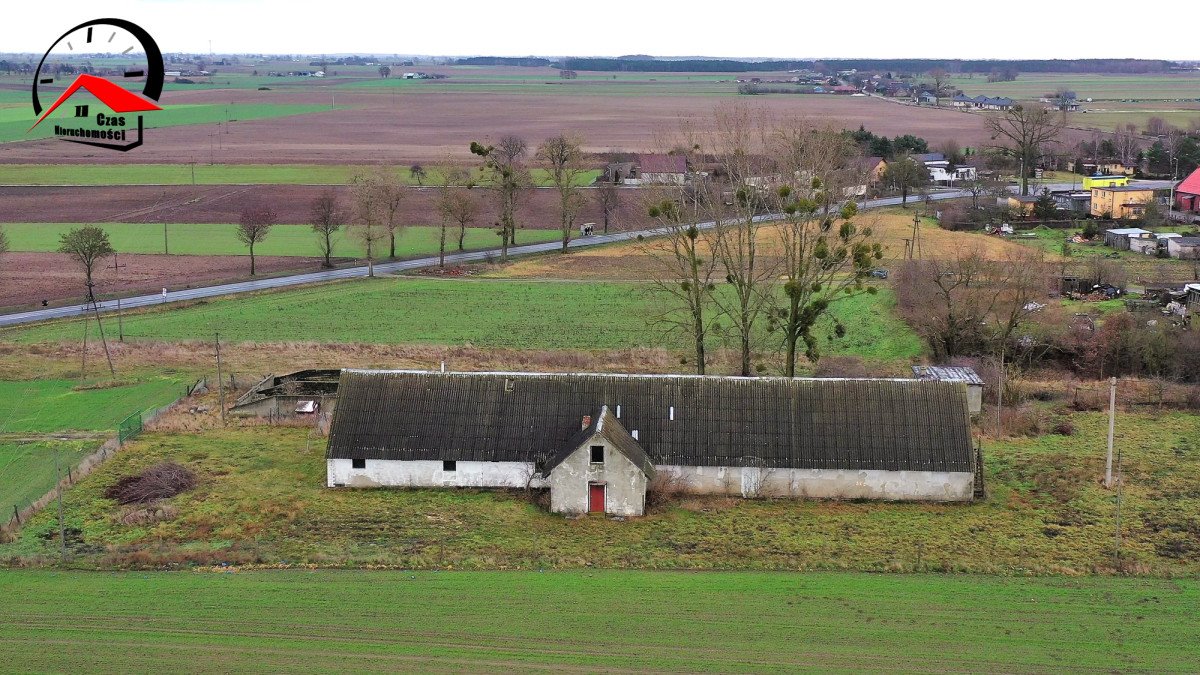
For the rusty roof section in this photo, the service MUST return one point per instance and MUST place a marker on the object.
(898, 425)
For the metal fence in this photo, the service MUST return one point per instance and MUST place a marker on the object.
(129, 428)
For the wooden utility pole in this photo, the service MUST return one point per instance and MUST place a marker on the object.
(1000, 395)
(220, 379)
(100, 327)
(1112, 424)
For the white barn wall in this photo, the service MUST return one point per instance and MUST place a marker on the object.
(426, 473)
(945, 486)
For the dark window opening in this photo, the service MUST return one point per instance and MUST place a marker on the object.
(597, 454)
(449, 465)
(358, 463)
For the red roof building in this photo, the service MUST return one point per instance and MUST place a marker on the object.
(1187, 195)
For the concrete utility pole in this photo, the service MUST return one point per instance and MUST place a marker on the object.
(1112, 424)
(117, 277)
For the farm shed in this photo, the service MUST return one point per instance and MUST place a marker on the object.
(962, 374)
(1184, 248)
(596, 441)
(1118, 238)
(301, 392)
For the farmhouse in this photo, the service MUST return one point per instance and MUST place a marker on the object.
(1092, 182)
(1121, 201)
(597, 441)
(662, 169)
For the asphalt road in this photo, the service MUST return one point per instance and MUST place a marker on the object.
(380, 268)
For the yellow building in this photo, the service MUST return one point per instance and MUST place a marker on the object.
(1092, 182)
(1121, 201)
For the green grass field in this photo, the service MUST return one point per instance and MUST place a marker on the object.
(261, 500)
(1094, 86)
(15, 121)
(592, 621)
(214, 174)
(221, 239)
(491, 313)
(48, 406)
(27, 469)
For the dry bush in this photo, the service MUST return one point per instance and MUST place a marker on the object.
(664, 488)
(160, 481)
(842, 366)
(1024, 421)
(1064, 428)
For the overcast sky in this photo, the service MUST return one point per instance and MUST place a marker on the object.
(746, 28)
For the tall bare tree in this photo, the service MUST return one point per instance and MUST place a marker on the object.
(608, 198)
(688, 265)
(367, 215)
(737, 141)
(562, 158)
(390, 191)
(456, 204)
(1024, 133)
(506, 177)
(327, 218)
(254, 226)
(826, 255)
(941, 83)
(417, 173)
(86, 245)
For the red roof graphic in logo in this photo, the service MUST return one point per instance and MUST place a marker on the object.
(117, 99)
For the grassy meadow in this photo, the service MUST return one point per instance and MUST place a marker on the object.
(200, 173)
(15, 121)
(53, 406)
(1101, 87)
(283, 240)
(261, 500)
(521, 314)
(593, 621)
(27, 469)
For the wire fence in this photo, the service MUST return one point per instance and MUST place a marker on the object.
(127, 430)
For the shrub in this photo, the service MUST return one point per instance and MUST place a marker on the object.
(1064, 428)
(160, 481)
(664, 488)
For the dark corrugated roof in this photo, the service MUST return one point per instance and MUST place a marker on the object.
(607, 426)
(948, 374)
(718, 421)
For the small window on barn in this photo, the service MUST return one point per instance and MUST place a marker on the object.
(597, 454)
(449, 465)
(508, 384)
(358, 463)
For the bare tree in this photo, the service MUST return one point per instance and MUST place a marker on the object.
(417, 173)
(1125, 140)
(827, 257)
(737, 142)
(254, 226)
(327, 218)
(687, 267)
(385, 72)
(506, 178)
(389, 197)
(608, 198)
(941, 83)
(1024, 134)
(455, 204)
(562, 158)
(86, 245)
(367, 218)
(905, 173)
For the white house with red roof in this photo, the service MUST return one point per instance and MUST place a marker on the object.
(662, 169)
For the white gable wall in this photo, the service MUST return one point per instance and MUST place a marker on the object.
(625, 484)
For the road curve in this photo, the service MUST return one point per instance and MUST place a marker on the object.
(136, 302)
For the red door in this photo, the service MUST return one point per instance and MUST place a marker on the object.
(595, 498)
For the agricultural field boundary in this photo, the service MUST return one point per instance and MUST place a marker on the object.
(89, 464)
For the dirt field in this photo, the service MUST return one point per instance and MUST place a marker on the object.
(28, 278)
(429, 126)
(224, 203)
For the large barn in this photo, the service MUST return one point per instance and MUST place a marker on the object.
(597, 441)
